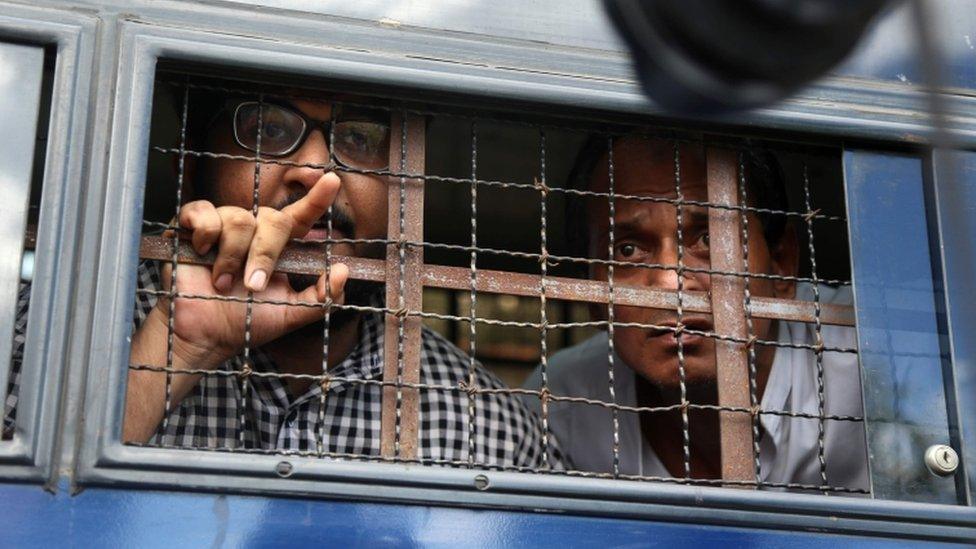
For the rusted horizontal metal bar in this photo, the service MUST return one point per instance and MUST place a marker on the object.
(301, 260)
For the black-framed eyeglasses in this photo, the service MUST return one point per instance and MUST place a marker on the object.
(359, 141)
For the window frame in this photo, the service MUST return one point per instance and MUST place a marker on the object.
(70, 38)
(115, 220)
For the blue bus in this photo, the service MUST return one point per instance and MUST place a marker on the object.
(482, 265)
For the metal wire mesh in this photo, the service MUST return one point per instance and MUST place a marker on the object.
(405, 392)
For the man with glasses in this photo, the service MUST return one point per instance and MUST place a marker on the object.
(277, 152)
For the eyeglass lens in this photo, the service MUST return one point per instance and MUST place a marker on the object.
(361, 144)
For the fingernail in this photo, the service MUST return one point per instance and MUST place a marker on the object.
(224, 282)
(257, 280)
(204, 249)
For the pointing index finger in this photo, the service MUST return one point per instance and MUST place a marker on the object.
(311, 207)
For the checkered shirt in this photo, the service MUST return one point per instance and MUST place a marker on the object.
(506, 434)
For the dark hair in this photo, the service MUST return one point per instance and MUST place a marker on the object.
(765, 189)
(202, 110)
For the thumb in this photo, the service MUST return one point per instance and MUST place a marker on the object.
(334, 285)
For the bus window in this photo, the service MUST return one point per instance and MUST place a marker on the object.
(511, 292)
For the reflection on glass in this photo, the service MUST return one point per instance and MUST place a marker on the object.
(899, 339)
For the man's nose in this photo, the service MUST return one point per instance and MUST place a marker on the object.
(673, 268)
(309, 162)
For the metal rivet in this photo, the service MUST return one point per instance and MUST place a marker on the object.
(284, 469)
(941, 459)
(481, 482)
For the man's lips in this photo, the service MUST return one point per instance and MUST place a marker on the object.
(669, 336)
(321, 232)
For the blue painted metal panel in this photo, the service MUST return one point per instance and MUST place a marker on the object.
(899, 335)
(130, 518)
(889, 51)
(954, 190)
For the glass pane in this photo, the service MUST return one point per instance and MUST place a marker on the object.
(898, 329)
(21, 69)
(955, 198)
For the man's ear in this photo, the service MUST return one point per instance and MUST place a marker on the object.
(785, 258)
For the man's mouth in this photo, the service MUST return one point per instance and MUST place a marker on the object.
(320, 231)
(669, 333)
(342, 227)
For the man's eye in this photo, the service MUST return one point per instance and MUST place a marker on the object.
(362, 144)
(360, 137)
(703, 241)
(273, 131)
(626, 251)
(357, 140)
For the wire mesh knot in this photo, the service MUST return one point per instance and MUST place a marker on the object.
(246, 370)
(325, 383)
(469, 388)
(755, 410)
(810, 215)
(544, 257)
(541, 186)
(819, 346)
(400, 313)
(751, 342)
(545, 396)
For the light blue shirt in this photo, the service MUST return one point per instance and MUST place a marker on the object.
(789, 449)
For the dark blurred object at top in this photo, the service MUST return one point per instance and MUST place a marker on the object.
(713, 56)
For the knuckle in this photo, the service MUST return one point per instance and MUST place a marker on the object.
(197, 207)
(240, 220)
(210, 230)
(230, 256)
(210, 236)
(263, 256)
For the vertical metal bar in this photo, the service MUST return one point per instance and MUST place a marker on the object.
(473, 310)
(249, 312)
(611, 244)
(404, 291)
(818, 327)
(326, 322)
(544, 321)
(747, 302)
(679, 312)
(175, 259)
(729, 316)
